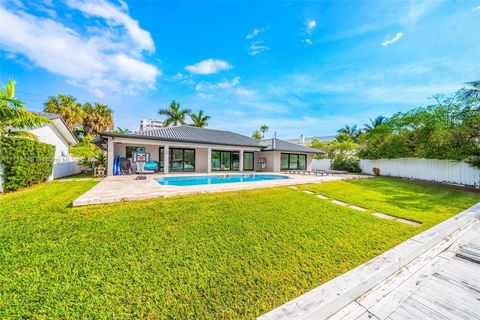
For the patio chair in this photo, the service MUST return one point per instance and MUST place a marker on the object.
(125, 166)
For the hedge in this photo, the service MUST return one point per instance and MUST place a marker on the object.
(25, 162)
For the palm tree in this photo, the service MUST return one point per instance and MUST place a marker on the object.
(263, 129)
(378, 121)
(199, 120)
(121, 130)
(174, 115)
(352, 132)
(474, 90)
(13, 116)
(67, 107)
(97, 118)
(257, 135)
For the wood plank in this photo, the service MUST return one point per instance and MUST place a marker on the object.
(449, 299)
(463, 274)
(414, 310)
(352, 311)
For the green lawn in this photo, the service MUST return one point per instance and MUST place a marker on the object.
(225, 255)
(421, 202)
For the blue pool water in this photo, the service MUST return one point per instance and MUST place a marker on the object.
(216, 179)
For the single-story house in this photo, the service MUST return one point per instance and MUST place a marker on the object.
(202, 150)
(58, 134)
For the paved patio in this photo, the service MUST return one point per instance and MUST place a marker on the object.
(125, 188)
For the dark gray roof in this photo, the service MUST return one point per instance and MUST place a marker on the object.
(282, 145)
(48, 115)
(190, 134)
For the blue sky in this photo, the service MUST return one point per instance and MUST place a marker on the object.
(299, 67)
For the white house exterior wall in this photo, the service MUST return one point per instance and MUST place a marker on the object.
(63, 164)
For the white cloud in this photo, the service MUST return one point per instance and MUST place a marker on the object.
(257, 45)
(116, 16)
(389, 41)
(310, 26)
(96, 60)
(209, 66)
(225, 84)
(418, 9)
(255, 32)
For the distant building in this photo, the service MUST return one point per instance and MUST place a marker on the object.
(304, 141)
(149, 124)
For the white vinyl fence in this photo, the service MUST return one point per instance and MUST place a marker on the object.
(64, 168)
(443, 171)
(321, 164)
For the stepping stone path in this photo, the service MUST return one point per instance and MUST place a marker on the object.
(354, 207)
(410, 222)
(357, 208)
(383, 216)
(340, 203)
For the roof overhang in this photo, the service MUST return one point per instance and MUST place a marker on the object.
(295, 151)
(137, 136)
(61, 126)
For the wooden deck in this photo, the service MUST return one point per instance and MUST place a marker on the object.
(447, 287)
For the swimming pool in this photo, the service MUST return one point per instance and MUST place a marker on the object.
(216, 179)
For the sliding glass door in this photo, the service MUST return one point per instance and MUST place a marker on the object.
(248, 162)
(292, 161)
(225, 160)
(182, 160)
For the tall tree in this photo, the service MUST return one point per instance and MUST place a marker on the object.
(199, 119)
(474, 90)
(97, 118)
(378, 121)
(67, 107)
(175, 115)
(257, 135)
(14, 119)
(352, 132)
(121, 130)
(263, 129)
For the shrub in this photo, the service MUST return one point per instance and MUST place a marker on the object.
(345, 164)
(25, 162)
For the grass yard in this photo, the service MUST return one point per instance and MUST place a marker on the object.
(224, 255)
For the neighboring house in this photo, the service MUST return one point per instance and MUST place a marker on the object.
(193, 149)
(304, 141)
(149, 124)
(58, 134)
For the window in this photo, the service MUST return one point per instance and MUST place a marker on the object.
(248, 163)
(235, 161)
(225, 160)
(161, 158)
(292, 161)
(130, 150)
(182, 160)
(216, 155)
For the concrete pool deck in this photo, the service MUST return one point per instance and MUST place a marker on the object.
(126, 188)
